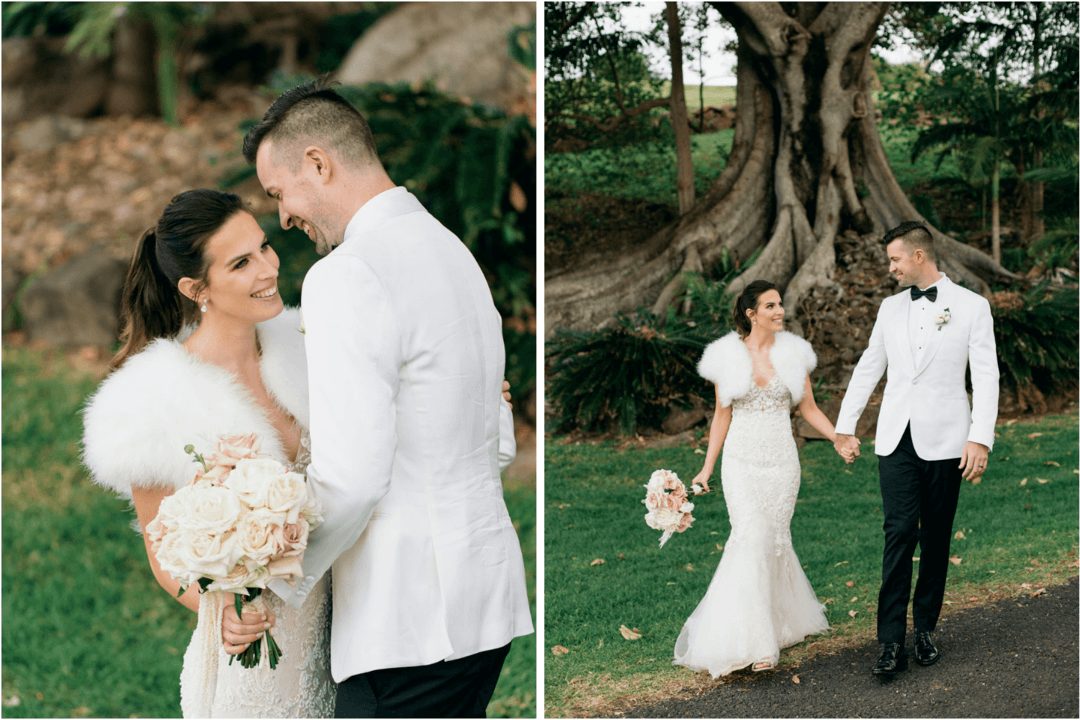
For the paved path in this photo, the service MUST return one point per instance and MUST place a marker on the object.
(1013, 658)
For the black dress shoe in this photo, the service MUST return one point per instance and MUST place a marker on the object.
(893, 659)
(926, 653)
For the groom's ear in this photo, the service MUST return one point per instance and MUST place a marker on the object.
(319, 161)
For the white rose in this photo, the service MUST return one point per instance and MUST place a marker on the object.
(260, 536)
(250, 478)
(207, 555)
(288, 569)
(206, 509)
(662, 518)
(288, 494)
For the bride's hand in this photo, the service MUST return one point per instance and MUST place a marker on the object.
(506, 393)
(237, 633)
(701, 479)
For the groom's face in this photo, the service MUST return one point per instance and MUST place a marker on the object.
(299, 196)
(903, 263)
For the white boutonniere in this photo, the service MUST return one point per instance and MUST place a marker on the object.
(302, 329)
(943, 319)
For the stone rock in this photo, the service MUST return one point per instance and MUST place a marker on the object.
(77, 303)
(682, 419)
(665, 442)
(463, 47)
(40, 78)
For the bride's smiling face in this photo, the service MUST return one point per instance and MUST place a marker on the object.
(243, 271)
(769, 313)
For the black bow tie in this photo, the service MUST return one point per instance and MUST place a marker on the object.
(929, 293)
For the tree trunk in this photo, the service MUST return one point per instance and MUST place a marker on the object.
(995, 211)
(680, 121)
(132, 90)
(806, 164)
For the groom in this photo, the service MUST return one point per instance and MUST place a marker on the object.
(405, 366)
(928, 438)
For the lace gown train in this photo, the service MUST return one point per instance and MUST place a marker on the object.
(299, 687)
(759, 599)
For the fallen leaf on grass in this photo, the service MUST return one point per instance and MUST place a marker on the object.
(689, 567)
(597, 561)
(12, 701)
(1052, 463)
(850, 583)
(1023, 482)
(559, 650)
(956, 560)
(1032, 436)
(1026, 586)
(621, 556)
(959, 535)
(699, 451)
(852, 613)
(795, 679)
(853, 599)
(1041, 481)
(629, 634)
(842, 562)
(1037, 593)
(719, 547)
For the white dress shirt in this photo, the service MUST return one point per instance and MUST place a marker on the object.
(921, 322)
(405, 368)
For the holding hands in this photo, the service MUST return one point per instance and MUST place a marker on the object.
(847, 447)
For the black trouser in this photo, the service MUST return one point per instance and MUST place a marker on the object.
(454, 688)
(919, 501)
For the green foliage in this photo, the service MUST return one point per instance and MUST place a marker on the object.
(625, 376)
(596, 77)
(26, 19)
(171, 22)
(644, 171)
(1013, 534)
(1058, 247)
(87, 631)
(1037, 336)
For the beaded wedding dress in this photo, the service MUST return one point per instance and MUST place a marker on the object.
(299, 687)
(759, 600)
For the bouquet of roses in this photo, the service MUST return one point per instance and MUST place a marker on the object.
(668, 504)
(242, 521)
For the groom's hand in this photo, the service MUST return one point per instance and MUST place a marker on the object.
(973, 461)
(847, 447)
(237, 633)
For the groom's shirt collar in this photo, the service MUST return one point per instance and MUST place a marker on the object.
(387, 204)
(939, 283)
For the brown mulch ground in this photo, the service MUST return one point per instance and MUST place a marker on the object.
(107, 184)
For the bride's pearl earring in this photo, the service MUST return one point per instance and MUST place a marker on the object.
(202, 308)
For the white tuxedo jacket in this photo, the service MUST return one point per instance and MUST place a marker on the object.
(932, 397)
(405, 368)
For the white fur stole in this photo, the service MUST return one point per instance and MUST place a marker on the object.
(137, 423)
(726, 362)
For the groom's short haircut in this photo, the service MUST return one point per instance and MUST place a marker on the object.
(313, 114)
(914, 235)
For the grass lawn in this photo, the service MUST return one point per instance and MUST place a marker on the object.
(1019, 525)
(87, 631)
(715, 95)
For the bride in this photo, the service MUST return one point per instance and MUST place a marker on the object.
(759, 600)
(209, 350)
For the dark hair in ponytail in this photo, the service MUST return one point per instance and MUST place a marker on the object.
(151, 305)
(748, 300)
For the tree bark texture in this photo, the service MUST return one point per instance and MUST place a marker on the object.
(806, 165)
